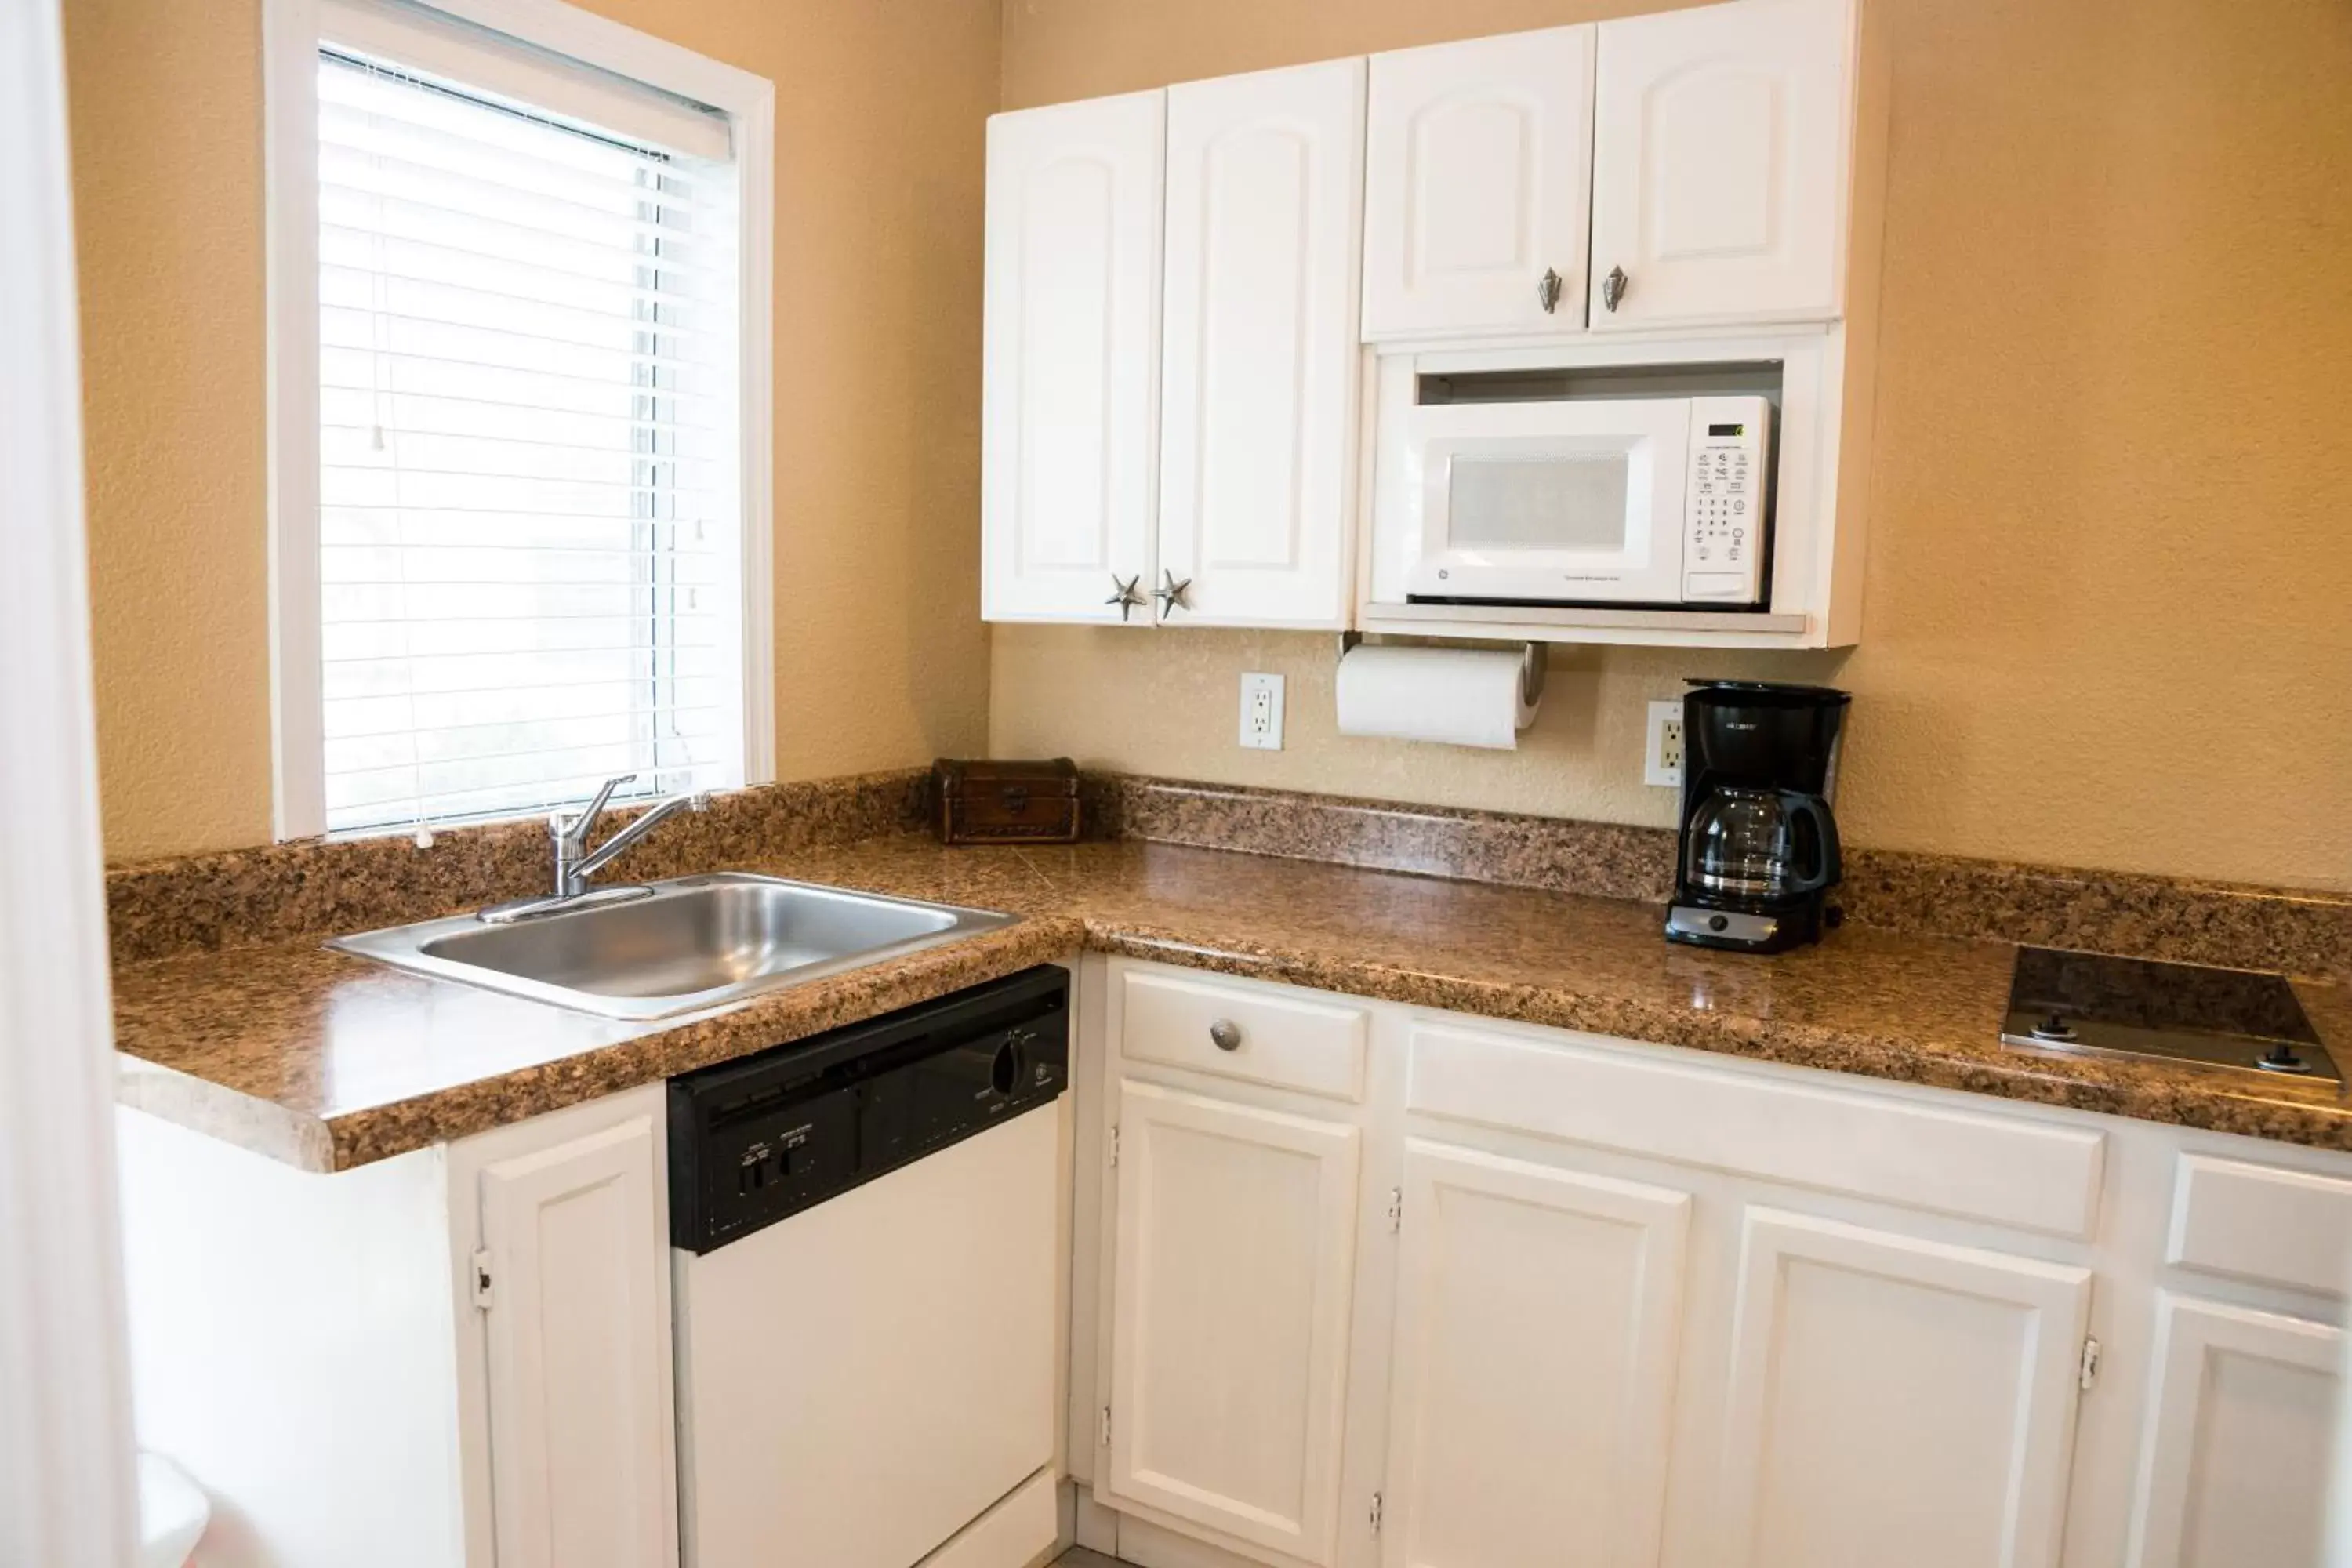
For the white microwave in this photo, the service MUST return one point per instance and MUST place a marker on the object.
(1641, 500)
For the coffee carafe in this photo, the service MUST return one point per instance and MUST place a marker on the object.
(1756, 852)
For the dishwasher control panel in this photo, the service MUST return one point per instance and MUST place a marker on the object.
(756, 1141)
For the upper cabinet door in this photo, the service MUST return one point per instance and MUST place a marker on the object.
(1721, 138)
(1258, 389)
(1070, 427)
(1478, 186)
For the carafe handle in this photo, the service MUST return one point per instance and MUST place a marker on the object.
(1825, 831)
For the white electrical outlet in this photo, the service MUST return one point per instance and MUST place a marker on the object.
(1662, 760)
(1262, 711)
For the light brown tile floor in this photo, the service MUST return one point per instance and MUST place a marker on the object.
(1079, 1557)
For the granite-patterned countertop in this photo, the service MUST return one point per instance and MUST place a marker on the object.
(328, 1061)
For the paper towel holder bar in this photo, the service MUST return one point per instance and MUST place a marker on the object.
(1532, 664)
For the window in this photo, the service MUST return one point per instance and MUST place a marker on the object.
(524, 560)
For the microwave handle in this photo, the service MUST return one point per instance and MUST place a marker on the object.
(1824, 832)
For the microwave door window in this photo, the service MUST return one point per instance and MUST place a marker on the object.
(1501, 506)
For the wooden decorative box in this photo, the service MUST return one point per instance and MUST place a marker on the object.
(1007, 803)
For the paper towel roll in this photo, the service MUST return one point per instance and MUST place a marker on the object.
(1462, 697)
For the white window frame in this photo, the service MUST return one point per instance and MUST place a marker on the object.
(291, 36)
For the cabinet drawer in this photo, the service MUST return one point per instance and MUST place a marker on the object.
(2258, 1222)
(2006, 1171)
(1273, 1038)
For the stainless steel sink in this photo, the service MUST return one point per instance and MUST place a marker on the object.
(690, 944)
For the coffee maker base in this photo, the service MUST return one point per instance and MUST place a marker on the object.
(1743, 930)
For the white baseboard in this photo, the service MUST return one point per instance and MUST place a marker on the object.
(1095, 1527)
(1149, 1545)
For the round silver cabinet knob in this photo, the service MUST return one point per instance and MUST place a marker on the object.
(1225, 1034)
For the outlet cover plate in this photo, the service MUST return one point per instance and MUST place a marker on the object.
(1262, 711)
(1662, 757)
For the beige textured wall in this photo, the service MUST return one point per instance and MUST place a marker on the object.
(167, 128)
(2108, 605)
(880, 657)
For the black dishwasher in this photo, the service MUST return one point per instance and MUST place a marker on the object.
(754, 1141)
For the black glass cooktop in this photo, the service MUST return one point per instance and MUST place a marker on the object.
(2166, 1011)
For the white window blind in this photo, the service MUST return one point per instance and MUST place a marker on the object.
(529, 530)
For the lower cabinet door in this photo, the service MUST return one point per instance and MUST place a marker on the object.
(1897, 1400)
(2235, 1472)
(1537, 1330)
(580, 1453)
(1236, 1254)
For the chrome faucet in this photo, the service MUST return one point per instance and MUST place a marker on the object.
(575, 862)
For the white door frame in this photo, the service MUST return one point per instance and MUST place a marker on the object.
(66, 1489)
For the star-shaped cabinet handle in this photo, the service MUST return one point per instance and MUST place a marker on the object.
(1172, 592)
(1128, 596)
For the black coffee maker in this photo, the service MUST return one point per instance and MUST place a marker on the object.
(1757, 849)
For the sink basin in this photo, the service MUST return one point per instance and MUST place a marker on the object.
(690, 944)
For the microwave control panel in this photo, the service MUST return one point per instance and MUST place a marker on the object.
(1723, 538)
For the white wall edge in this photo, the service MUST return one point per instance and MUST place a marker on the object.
(66, 1489)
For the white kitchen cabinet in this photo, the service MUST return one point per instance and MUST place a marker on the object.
(2282, 1229)
(1234, 1253)
(1896, 1399)
(571, 1280)
(1185, 455)
(1721, 151)
(456, 1358)
(1258, 410)
(1538, 1320)
(1619, 1304)
(1070, 384)
(1478, 187)
(1179, 283)
(2235, 1469)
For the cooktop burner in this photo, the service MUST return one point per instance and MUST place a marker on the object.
(2230, 1018)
